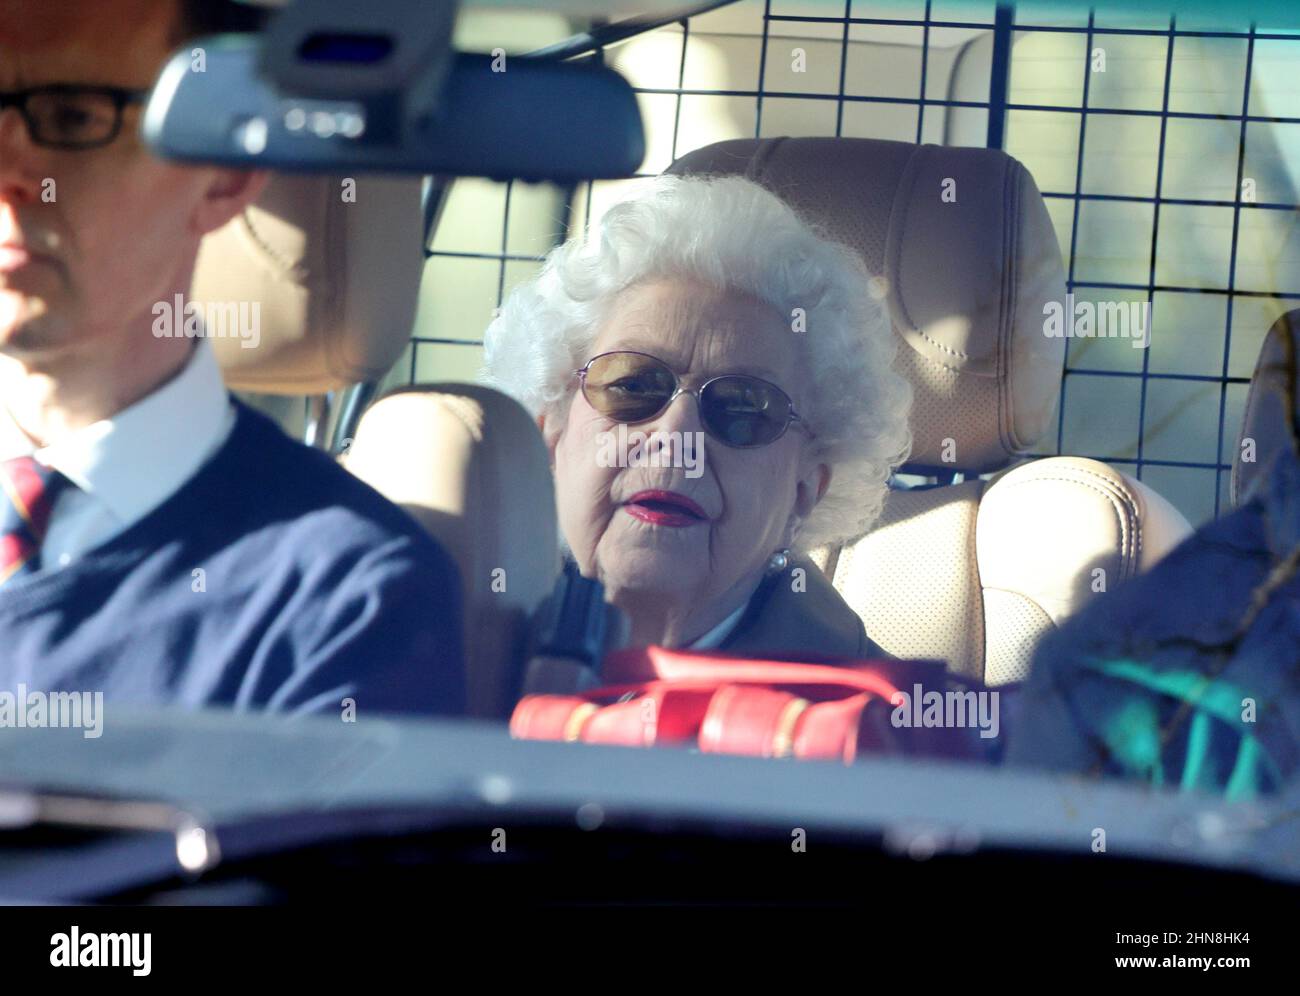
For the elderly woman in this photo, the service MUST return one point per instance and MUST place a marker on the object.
(713, 381)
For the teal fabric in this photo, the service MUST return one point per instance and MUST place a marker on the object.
(1213, 752)
(1185, 677)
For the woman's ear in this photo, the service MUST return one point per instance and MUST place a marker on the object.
(809, 490)
(824, 481)
(550, 437)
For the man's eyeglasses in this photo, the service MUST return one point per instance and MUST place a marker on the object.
(70, 116)
(735, 409)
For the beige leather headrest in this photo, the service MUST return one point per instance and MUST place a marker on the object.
(335, 281)
(1272, 420)
(965, 256)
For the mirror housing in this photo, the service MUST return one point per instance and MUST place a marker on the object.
(502, 117)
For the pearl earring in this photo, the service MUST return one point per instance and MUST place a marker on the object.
(778, 562)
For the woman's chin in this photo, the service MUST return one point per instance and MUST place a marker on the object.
(650, 572)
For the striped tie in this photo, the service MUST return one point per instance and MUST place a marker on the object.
(29, 494)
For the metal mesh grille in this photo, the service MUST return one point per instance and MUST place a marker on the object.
(1165, 151)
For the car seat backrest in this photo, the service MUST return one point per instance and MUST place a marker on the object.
(470, 465)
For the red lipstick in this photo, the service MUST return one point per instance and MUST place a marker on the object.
(664, 508)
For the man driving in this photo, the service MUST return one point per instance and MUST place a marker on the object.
(160, 541)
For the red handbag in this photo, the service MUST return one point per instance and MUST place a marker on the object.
(729, 705)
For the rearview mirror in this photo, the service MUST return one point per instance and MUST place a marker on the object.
(495, 116)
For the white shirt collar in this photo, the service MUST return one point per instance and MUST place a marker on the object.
(720, 632)
(135, 460)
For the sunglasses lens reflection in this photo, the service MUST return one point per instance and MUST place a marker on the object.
(739, 411)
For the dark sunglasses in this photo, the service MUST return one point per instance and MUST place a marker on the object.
(71, 116)
(735, 409)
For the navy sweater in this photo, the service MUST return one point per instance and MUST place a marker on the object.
(273, 579)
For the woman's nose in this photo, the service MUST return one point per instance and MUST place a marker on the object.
(681, 415)
(669, 427)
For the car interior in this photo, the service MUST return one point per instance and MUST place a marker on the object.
(973, 571)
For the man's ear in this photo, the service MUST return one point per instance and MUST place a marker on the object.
(226, 194)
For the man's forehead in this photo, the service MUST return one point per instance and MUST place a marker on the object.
(109, 41)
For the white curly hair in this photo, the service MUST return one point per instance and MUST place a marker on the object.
(733, 234)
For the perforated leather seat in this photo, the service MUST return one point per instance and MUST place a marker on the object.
(337, 284)
(963, 254)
